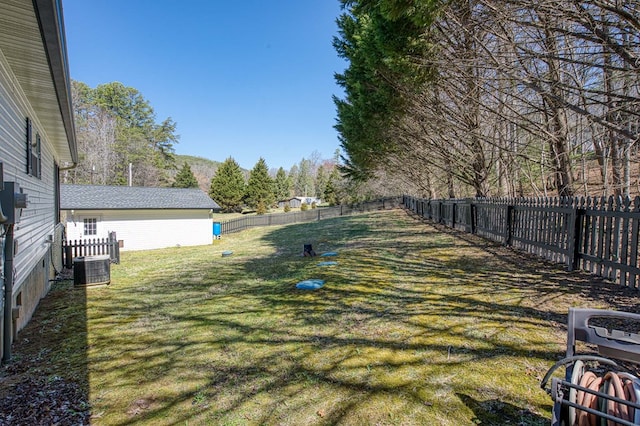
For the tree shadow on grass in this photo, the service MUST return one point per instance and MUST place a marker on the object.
(47, 380)
(529, 293)
(408, 309)
(494, 412)
(578, 282)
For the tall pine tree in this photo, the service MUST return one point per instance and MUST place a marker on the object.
(383, 42)
(185, 178)
(228, 187)
(116, 127)
(282, 185)
(321, 182)
(260, 189)
(304, 185)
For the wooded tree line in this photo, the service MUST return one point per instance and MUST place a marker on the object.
(120, 142)
(262, 190)
(492, 97)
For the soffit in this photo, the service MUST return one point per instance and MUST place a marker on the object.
(23, 46)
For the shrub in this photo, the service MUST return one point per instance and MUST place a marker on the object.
(261, 208)
(287, 208)
(304, 207)
(313, 205)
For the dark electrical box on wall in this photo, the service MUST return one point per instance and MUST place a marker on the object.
(12, 200)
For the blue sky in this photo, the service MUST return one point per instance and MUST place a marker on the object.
(245, 79)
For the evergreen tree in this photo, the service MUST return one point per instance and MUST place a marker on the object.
(321, 182)
(228, 187)
(260, 188)
(330, 194)
(148, 146)
(380, 40)
(282, 185)
(116, 127)
(185, 178)
(304, 184)
(293, 178)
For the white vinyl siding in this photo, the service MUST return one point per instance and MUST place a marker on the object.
(146, 229)
(38, 219)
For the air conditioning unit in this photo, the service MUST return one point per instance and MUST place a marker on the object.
(91, 270)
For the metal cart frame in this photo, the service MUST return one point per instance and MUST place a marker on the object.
(613, 346)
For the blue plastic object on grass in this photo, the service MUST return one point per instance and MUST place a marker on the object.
(329, 253)
(327, 263)
(310, 284)
(227, 253)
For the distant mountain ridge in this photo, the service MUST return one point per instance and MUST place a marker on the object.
(203, 168)
(194, 160)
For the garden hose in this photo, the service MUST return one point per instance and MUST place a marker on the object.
(619, 390)
(619, 385)
(635, 389)
(569, 360)
(622, 386)
(593, 382)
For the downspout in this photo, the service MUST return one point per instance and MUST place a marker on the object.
(8, 292)
(73, 165)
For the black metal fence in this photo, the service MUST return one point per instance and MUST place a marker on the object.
(91, 247)
(242, 223)
(597, 235)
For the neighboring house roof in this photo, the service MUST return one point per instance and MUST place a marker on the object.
(98, 197)
(303, 199)
(307, 199)
(33, 42)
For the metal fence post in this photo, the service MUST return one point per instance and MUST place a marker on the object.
(454, 208)
(575, 238)
(472, 216)
(508, 225)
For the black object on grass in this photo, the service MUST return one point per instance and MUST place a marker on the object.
(308, 250)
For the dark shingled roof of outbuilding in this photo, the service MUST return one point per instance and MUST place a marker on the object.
(98, 197)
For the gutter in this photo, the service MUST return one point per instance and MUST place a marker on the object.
(73, 165)
(51, 23)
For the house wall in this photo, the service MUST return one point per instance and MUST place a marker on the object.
(32, 258)
(283, 203)
(145, 229)
(34, 287)
(296, 202)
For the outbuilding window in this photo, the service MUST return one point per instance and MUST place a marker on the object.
(90, 226)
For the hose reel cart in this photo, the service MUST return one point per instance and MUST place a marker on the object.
(598, 389)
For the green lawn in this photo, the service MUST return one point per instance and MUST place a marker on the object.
(415, 325)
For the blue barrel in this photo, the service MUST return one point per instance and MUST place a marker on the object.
(216, 229)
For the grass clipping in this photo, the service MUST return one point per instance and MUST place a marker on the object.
(416, 325)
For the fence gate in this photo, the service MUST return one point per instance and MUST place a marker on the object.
(91, 247)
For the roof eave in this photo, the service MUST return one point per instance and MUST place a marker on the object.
(51, 23)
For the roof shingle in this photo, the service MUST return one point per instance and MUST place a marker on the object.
(98, 197)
